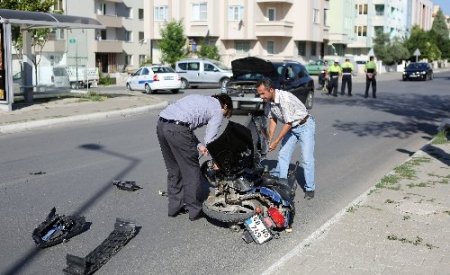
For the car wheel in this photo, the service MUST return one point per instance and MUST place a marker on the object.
(431, 76)
(74, 85)
(184, 84)
(129, 87)
(175, 91)
(148, 90)
(309, 100)
(223, 82)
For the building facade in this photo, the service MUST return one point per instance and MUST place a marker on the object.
(342, 15)
(419, 12)
(275, 29)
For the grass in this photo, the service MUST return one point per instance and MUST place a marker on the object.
(440, 138)
(93, 96)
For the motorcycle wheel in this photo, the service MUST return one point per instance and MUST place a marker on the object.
(217, 209)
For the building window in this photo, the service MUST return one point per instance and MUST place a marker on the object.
(271, 14)
(101, 8)
(129, 36)
(379, 10)
(361, 30)
(241, 46)
(361, 9)
(58, 5)
(301, 48)
(128, 59)
(141, 59)
(316, 16)
(102, 35)
(378, 29)
(141, 14)
(160, 13)
(325, 17)
(270, 47)
(313, 48)
(200, 12)
(235, 13)
(141, 37)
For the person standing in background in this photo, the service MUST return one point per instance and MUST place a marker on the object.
(334, 72)
(371, 71)
(347, 70)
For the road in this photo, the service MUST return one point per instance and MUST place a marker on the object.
(357, 141)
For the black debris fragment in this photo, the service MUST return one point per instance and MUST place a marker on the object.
(58, 228)
(126, 185)
(38, 173)
(163, 193)
(124, 231)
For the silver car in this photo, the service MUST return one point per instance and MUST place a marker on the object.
(202, 72)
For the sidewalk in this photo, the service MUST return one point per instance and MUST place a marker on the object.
(58, 111)
(400, 226)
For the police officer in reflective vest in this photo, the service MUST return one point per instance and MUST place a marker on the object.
(371, 71)
(347, 69)
(334, 72)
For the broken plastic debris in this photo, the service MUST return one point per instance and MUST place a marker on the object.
(126, 185)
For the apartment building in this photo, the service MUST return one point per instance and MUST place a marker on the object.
(119, 47)
(419, 12)
(341, 21)
(273, 29)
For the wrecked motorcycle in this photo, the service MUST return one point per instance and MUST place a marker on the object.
(245, 195)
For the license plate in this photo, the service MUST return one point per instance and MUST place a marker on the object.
(258, 229)
(168, 78)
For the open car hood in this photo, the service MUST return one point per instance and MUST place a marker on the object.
(252, 65)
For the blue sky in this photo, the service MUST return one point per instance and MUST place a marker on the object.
(444, 4)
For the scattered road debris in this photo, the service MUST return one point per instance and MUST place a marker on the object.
(126, 185)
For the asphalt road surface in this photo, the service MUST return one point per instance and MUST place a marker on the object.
(71, 168)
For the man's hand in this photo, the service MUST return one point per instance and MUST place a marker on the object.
(273, 145)
(202, 150)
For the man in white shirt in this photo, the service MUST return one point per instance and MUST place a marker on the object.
(298, 127)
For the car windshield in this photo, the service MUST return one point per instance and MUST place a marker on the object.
(255, 76)
(417, 66)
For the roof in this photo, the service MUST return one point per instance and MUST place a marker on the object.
(32, 20)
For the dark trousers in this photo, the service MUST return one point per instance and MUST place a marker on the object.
(372, 81)
(333, 85)
(179, 149)
(346, 81)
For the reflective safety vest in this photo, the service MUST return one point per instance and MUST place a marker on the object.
(371, 67)
(334, 70)
(347, 68)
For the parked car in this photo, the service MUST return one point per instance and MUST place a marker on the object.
(418, 70)
(315, 67)
(202, 72)
(155, 77)
(286, 75)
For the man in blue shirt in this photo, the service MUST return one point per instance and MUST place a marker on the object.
(180, 147)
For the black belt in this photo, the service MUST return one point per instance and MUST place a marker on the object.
(177, 122)
(303, 121)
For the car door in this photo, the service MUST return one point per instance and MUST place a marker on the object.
(297, 80)
(143, 78)
(134, 79)
(193, 71)
(210, 73)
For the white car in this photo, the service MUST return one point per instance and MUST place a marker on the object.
(155, 77)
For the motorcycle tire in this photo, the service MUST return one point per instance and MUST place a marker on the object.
(217, 209)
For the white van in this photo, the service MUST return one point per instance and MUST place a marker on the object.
(202, 71)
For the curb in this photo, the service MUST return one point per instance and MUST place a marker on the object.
(29, 125)
(322, 231)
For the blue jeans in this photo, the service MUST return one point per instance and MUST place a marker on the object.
(304, 135)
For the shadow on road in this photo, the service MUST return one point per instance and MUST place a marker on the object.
(421, 114)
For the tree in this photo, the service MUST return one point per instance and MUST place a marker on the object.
(423, 41)
(209, 51)
(381, 43)
(440, 26)
(38, 36)
(172, 43)
(390, 52)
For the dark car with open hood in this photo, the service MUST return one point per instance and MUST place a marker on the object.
(286, 75)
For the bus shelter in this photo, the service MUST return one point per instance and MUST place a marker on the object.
(28, 20)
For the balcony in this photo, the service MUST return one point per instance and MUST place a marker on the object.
(111, 21)
(113, 1)
(275, 1)
(274, 28)
(109, 46)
